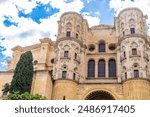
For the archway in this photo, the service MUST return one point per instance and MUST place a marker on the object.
(100, 95)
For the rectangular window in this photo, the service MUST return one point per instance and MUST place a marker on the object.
(66, 54)
(136, 73)
(64, 74)
(134, 51)
(132, 30)
(123, 33)
(74, 76)
(77, 35)
(68, 34)
(125, 75)
(75, 56)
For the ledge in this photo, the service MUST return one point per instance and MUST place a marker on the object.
(101, 81)
(120, 39)
(70, 39)
(130, 79)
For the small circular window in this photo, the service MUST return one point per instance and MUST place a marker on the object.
(112, 46)
(52, 61)
(35, 62)
(91, 48)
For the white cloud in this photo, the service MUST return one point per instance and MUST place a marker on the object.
(91, 20)
(28, 32)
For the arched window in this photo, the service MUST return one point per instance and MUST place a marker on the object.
(112, 68)
(102, 46)
(101, 68)
(91, 68)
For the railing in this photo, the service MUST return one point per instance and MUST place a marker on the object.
(137, 54)
(146, 56)
(139, 76)
(62, 56)
(100, 80)
(60, 76)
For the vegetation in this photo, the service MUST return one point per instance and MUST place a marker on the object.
(6, 89)
(24, 96)
(23, 74)
(20, 87)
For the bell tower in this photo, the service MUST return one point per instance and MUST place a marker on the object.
(70, 56)
(132, 53)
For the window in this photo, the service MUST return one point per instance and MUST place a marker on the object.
(64, 74)
(75, 56)
(112, 68)
(102, 47)
(91, 47)
(123, 33)
(134, 51)
(52, 60)
(101, 68)
(68, 34)
(136, 73)
(132, 30)
(112, 47)
(125, 75)
(66, 53)
(35, 62)
(77, 35)
(74, 76)
(124, 54)
(91, 68)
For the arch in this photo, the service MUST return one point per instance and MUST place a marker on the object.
(135, 65)
(91, 68)
(101, 46)
(100, 95)
(68, 25)
(132, 23)
(112, 68)
(101, 68)
(134, 45)
(66, 47)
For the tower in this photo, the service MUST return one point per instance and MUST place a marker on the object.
(70, 55)
(133, 60)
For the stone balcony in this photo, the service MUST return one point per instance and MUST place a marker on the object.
(62, 56)
(137, 54)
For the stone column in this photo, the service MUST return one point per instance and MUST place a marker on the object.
(106, 69)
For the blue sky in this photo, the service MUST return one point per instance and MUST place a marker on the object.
(24, 22)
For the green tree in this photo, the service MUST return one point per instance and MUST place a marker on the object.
(24, 96)
(6, 89)
(23, 74)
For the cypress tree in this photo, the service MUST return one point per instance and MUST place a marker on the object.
(23, 74)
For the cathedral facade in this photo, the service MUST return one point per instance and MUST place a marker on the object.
(91, 63)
